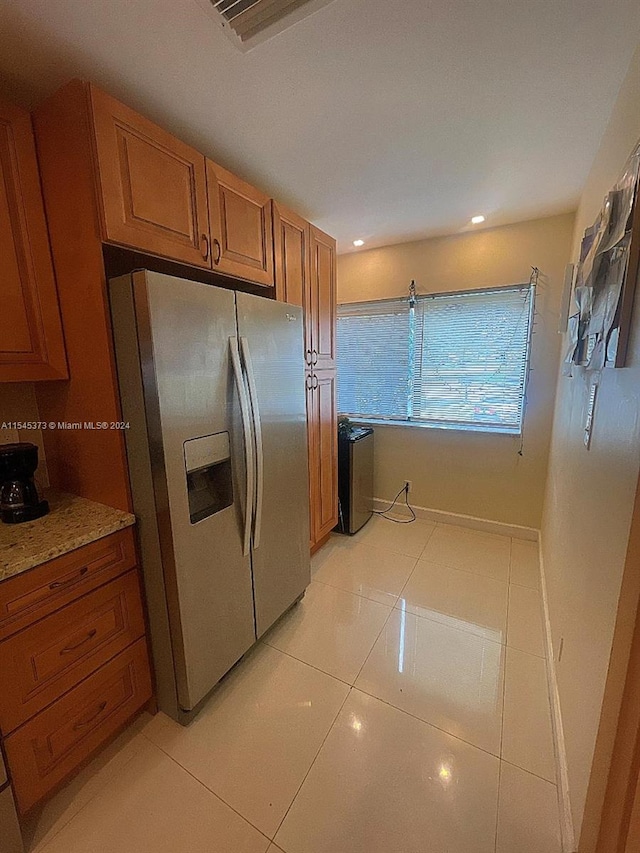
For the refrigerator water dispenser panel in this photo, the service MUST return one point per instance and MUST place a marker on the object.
(209, 477)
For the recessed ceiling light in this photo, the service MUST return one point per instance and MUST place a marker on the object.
(358, 243)
(477, 219)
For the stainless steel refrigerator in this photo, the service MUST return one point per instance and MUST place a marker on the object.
(212, 389)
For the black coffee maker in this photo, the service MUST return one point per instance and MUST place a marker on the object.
(19, 499)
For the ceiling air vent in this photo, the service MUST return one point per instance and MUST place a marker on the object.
(249, 22)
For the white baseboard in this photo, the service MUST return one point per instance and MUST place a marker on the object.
(562, 773)
(483, 524)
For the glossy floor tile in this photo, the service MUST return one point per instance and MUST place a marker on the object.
(156, 807)
(330, 629)
(384, 781)
(446, 677)
(525, 629)
(256, 739)
(470, 550)
(443, 744)
(375, 573)
(408, 539)
(525, 564)
(335, 541)
(47, 820)
(460, 599)
(527, 739)
(528, 817)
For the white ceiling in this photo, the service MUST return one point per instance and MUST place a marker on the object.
(386, 120)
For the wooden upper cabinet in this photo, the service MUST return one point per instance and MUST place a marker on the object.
(241, 227)
(291, 250)
(291, 234)
(323, 290)
(153, 186)
(31, 340)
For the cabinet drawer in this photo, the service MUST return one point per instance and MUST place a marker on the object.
(45, 660)
(51, 746)
(38, 592)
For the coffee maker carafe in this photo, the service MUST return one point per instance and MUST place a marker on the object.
(19, 500)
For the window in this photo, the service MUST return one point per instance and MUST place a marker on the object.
(449, 360)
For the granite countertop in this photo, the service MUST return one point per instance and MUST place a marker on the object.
(71, 522)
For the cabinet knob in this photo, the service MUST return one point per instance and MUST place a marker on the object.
(307, 383)
(307, 356)
(218, 251)
(314, 356)
(314, 381)
(204, 246)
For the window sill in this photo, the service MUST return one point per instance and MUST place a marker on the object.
(424, 425)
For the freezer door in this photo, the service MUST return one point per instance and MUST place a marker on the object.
(271, 344)
(195, 494)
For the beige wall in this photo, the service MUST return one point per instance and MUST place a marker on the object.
(590, 493)
(473, 473)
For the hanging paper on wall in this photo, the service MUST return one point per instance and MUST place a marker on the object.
(606, 277)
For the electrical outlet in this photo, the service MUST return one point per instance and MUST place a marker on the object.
(408, 486)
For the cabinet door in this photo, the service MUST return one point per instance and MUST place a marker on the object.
(323, 293)
(31, 341)
(153, 186)
(324, 461)
(312, 441)
(241, 227)
(292, 259)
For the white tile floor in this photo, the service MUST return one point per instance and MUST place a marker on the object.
(402, 707)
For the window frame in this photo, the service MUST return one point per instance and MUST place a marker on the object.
(452, 425)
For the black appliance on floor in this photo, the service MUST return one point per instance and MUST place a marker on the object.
(355, 477)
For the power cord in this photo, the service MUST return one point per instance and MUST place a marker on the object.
(383, 512)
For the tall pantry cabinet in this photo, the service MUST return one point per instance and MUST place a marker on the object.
(305, 271)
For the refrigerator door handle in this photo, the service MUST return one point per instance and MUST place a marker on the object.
(248, 442)
(257, 432)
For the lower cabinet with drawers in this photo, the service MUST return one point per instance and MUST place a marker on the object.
(74, 666)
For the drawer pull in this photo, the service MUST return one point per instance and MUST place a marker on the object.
(84, 640)
(69, 581)
(82, 723)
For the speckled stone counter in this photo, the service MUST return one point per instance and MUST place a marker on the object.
(71, 522)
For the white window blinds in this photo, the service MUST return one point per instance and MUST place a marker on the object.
(374, 375)
(456, 359)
